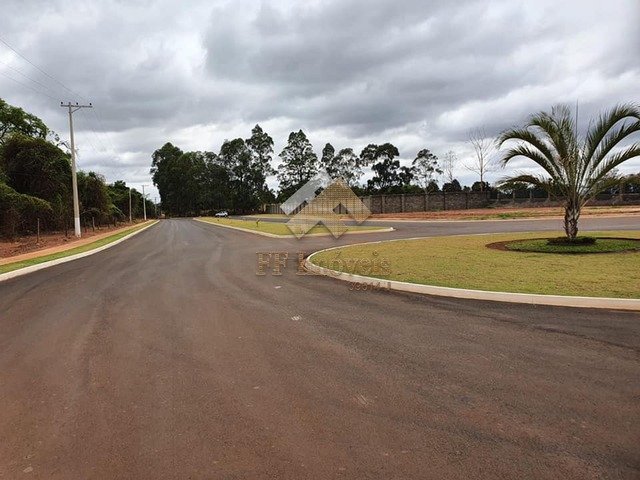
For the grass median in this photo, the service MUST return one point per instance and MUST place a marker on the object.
(275, 228)
(466, 262)
(9, 267)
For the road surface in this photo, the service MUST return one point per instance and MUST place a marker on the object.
(168, 357)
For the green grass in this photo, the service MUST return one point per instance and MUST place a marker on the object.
(9, 267)
(273, 227)
(602, 245)
(466, 262)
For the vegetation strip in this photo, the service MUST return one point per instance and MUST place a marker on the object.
(10, 267)
(464, 262)
(279, 229)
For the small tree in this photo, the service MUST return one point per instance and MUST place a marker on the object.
(448, 164)
(261, 146)
(386, 175)
(299, 162)
(345, 164)
(579, 168)
(426, 168)
(484, 149)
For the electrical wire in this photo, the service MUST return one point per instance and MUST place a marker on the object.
(41, 70)
(4, 74)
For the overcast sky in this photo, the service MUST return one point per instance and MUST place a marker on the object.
(416, 73)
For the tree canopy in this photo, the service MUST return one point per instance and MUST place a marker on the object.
(299, 163)
(15, 120)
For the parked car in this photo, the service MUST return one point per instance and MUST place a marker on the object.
(222, 214)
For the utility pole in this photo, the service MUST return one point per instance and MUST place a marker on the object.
(130, 217)
(144, 203)
(74, 179)
(155, 205)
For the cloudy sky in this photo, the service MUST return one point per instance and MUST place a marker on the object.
(416, 73)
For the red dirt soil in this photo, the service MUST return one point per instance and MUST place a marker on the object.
(492, 213)
(52, 242)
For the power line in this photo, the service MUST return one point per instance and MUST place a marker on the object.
(101, 128)
(95, 134)
(89, 120)
(4, 74)
(101, 147)
(41, 70)
(26, 76)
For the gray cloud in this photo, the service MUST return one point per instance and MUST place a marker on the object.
(413, 72)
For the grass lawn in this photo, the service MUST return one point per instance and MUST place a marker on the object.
(9, 267)
(466, 262)
(273, 227)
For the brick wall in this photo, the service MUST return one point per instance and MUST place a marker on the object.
(422, 203)
(465, 200)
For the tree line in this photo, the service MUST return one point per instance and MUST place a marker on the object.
(235, 178)
(35, 182)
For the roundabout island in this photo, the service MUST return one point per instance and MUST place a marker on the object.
(489, 266)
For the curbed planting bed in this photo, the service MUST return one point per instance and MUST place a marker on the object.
(463, 267)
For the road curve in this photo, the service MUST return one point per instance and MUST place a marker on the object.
(168, 357)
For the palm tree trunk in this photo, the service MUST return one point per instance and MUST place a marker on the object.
(571, 216)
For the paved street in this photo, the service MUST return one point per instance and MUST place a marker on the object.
(167, 357)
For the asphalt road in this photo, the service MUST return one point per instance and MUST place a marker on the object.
(168, 357)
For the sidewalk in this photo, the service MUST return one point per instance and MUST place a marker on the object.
(71, 244)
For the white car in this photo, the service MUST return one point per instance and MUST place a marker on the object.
(222, 214)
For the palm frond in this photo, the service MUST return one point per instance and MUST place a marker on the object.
(534, 180)
(566, 131)
(559, 127)
(540, 181)
(610, 163)
(605, 122)
(536, 150)
(605, 183)
(614, 136)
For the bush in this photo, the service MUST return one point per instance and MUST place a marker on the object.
(19, 212)
(560, 241)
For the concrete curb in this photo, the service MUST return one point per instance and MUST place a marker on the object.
(526, 298)
(273, 235)
(58, 261)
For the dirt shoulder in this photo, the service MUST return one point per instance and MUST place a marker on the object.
(505, 213)
(25, 248)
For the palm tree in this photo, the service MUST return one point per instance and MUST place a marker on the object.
(577, 168)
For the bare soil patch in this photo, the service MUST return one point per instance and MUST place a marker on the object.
(52, 242)
(504, 213)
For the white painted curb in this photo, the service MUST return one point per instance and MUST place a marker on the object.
(273, 235)
(527, 298)
(52, 263)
